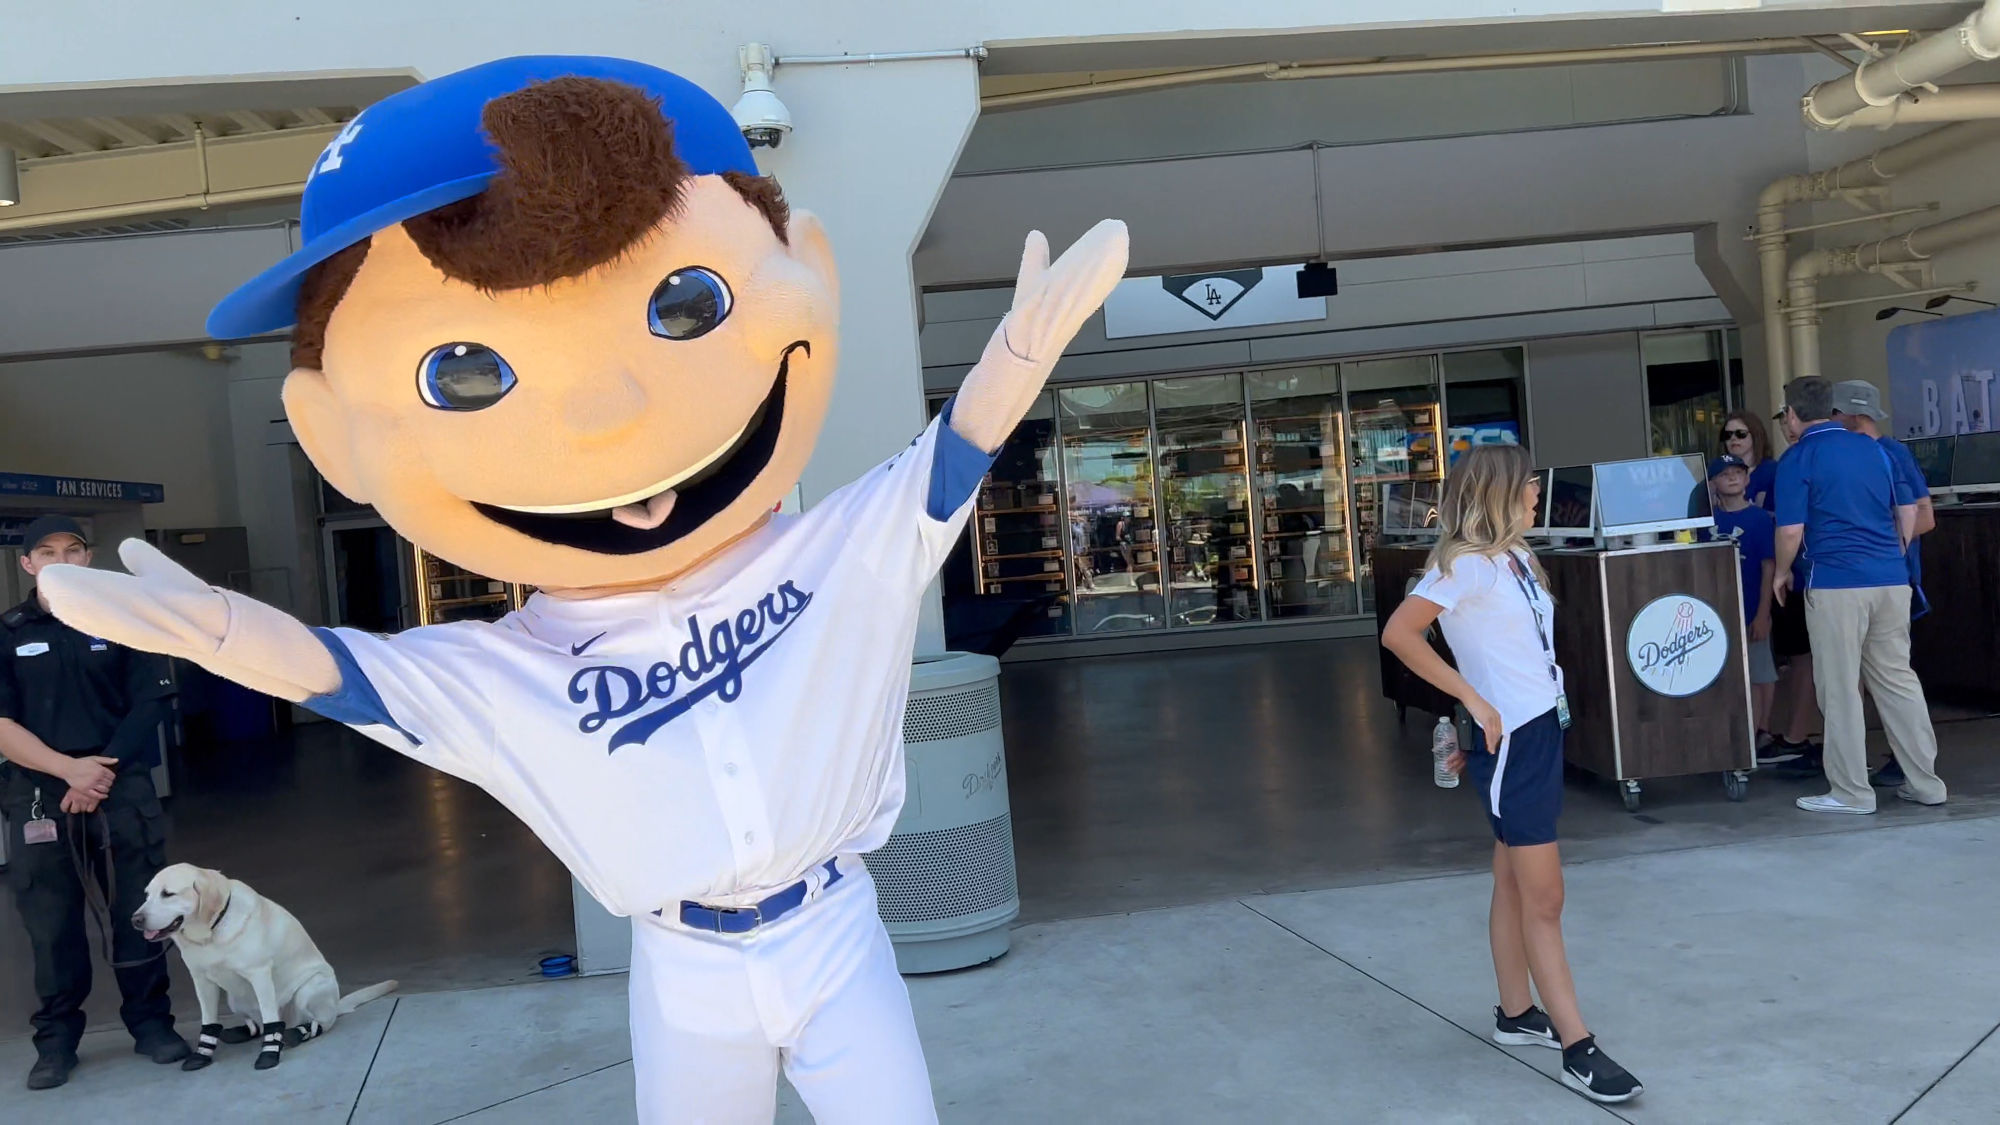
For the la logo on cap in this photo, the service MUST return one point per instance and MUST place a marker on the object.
(329, 161)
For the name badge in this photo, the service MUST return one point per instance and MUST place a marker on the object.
(32, 648)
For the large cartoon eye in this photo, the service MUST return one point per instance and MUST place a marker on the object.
(689, 303)
(463, 377)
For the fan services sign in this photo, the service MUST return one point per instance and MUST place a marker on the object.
(1941, 375)
(1206, 302)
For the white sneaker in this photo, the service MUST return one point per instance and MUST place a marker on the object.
(1829, 803)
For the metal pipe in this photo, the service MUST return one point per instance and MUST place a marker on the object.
(974, 53)
(88, 215)
(1952, 103)
(1880, 81)
(1920, 245)
(1873, 171)
(1508, 61)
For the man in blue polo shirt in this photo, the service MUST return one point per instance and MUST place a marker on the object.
(1857, 405)
(1839, 495)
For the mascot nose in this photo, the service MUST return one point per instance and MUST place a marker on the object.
(603, 406)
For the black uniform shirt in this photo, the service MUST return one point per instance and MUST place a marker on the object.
(77, 693)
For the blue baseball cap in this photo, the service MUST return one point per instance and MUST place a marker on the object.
(421, 148)
(1725, 462)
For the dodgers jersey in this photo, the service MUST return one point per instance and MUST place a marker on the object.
(712, 740)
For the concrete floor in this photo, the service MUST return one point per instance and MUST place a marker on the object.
(1138, 783)
(1830, 979)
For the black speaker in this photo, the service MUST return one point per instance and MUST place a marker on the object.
(1318, 279)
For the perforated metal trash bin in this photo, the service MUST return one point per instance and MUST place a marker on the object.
(945, 880)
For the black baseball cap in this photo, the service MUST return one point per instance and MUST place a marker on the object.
(41, 527)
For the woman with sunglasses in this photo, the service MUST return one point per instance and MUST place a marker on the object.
(1485, 588)
(1745, 438)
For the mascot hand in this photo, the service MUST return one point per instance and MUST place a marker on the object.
(1051, 302)
(161, 607)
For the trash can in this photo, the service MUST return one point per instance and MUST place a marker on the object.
(945, 880)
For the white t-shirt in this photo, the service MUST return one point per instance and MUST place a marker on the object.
(1490, 620)
(713, 740)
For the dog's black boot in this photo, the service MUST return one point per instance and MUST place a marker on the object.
(274, 1045)
(204, 1047)
(51, 1070)
(163, 1047)
(237, 1033)
(300, 1032)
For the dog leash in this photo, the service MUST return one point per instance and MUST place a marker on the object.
(97, 908)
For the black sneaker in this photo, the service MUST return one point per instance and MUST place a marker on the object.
(1808, 763)
(51, 1071)
(1529, 1029)
(1591, 1072)
(1775, 751)
(1889, 776)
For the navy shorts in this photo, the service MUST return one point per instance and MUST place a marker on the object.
(1521, 787)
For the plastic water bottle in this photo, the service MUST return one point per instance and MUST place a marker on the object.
(1444, 742)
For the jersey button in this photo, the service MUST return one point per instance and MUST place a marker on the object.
(749, 837)
(729, 768)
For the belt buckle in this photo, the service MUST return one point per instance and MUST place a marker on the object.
(756, 911)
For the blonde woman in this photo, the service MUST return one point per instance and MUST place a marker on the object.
(1487, 591)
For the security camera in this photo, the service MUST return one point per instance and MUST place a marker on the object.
(761, 117)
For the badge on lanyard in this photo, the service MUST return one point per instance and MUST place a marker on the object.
(38, 829)
(1524, 580)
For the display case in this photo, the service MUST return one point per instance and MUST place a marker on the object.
(1018, 529)
(1397, 459)
(1108, 468)
(1301, 458)
(448, 592)
(1213, 574)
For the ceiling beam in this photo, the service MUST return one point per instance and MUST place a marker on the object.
(313, 116)
(182, 124)
(251, 121)
(124, 133)
(62, 140)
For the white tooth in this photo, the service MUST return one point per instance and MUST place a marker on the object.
(636, 495)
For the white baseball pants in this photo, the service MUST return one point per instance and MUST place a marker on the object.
(714, 1016)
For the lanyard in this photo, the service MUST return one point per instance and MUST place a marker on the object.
(1524, 580)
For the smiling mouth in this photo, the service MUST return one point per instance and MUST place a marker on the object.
(173, 927)
(616, 526)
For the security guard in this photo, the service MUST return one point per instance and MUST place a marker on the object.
(78, 718)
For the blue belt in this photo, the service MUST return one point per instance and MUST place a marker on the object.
(743, 919)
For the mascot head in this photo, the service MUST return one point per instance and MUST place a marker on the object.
(551, 323)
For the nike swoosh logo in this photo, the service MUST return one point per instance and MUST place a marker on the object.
(577, 650)
(1584, 1076)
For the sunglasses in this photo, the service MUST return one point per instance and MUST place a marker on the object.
(1735, 433)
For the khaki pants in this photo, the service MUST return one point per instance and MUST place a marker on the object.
(1862, 634)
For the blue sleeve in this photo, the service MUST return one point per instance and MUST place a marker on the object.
(1763, 485)
(1791, 491)
(1906, 466)
(356, 703)
(957, 467)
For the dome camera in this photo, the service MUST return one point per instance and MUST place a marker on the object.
(761, 117)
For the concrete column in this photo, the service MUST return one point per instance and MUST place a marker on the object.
(871, 150)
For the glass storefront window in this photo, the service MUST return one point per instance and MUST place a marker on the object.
(1107, 458)
(1017, 579)
(1396, 459)
(1684, 391)
(1485, 399)
(1302, 488)
(1213, 572)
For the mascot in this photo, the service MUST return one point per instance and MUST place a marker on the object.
(550, 321)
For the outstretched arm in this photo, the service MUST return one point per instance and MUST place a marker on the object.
(1051, 302)
(160, 607)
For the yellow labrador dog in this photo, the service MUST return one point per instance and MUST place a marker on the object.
(237, 942)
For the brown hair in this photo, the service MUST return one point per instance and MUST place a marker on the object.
(587, 170)
(1760, 438)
